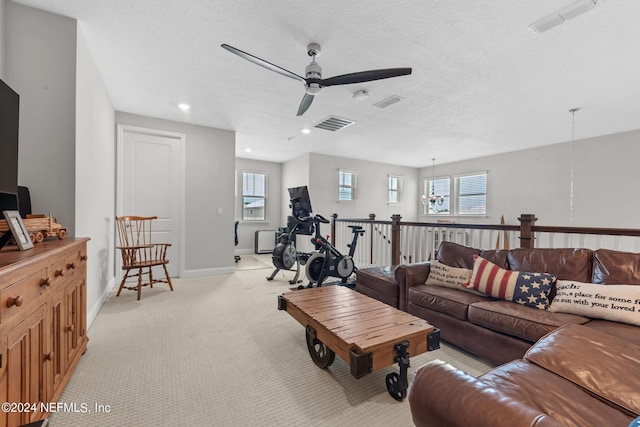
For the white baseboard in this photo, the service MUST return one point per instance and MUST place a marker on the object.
(93, 311)
(208, 272)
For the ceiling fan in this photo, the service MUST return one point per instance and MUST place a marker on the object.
(313, 80)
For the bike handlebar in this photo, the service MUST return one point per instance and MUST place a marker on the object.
(321, 219)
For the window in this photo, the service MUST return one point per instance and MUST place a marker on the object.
(347, 185)
(471, 194)
(440, 188)
(395, 189)
(254, 196)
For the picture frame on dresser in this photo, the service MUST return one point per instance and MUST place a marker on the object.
(19, 231)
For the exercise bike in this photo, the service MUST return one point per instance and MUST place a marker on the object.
(328, 261)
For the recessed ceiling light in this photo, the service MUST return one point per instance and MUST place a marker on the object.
(248, 150)
(184, 107)
(306, 131)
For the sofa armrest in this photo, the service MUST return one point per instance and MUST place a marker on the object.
(408, 275)
(442, 395)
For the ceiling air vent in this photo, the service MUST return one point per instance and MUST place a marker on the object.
(333, 123)
(388, 101)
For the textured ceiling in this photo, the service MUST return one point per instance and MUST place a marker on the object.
(482, 81)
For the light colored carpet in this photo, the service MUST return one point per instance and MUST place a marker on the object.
(218, 352)
(251, 262)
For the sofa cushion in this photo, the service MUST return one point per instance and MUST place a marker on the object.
(615, 267)
(625, 331)
(564, 401)
(517, 320)
(565, 263)
(612, 372)
(456, 255)
(526, 288)
(619, 303)
(444, 300)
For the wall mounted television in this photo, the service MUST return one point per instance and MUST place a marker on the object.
(9, 119)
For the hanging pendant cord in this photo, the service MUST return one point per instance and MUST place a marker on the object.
(573, 141)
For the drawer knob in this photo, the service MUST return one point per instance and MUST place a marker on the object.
(83, 258)
(59, 273)
(71, 328)
(45, 282)
(71, 266)
(17, 301)
(49, 356)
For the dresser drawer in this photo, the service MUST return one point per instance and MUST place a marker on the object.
(16, 297)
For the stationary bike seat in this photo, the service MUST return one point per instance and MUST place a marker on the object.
(355, 227)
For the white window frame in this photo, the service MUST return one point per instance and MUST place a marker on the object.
(242, 195)
(398, 190)
(353, 187)
(426, 192)
(457, 195)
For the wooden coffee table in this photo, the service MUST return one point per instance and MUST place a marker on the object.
(366, 333)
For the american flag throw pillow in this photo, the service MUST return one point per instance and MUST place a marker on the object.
(531, 289)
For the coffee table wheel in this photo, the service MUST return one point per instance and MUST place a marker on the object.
(395, 387)
(321, 355)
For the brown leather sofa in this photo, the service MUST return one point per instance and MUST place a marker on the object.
(501, 331)
(574, 376)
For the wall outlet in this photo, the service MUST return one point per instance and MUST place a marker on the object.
(219, 211)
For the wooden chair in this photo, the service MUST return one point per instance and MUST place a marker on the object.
(139, 254)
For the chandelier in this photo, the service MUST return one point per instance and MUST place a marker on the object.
(433, 199)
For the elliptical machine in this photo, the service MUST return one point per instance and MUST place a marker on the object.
(329, 261)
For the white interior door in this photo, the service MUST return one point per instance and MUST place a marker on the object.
(151, 183)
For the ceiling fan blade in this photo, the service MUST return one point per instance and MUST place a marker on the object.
(263, 63)
(365, 76)
(305, 104)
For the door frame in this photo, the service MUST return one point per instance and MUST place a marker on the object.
(181, 138)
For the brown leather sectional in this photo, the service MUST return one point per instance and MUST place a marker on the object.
(574, 376)
(501, 331)
(557, 369)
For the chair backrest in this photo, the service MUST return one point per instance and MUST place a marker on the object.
(134, 230)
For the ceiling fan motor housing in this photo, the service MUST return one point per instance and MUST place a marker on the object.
(313, 71)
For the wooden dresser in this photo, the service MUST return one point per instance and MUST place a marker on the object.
(43, 300)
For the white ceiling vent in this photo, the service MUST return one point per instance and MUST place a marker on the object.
(388, 101)
(333, 123)
(554, 19)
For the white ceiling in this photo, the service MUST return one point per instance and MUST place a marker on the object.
(482, 81)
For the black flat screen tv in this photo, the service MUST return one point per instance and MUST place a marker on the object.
(9, 113)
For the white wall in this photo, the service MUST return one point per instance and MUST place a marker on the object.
(209, 169)
(538, 181)
(295, 173)
(40, 64)
(320, 173)
(2, 39)
(247, 229)
(95, 180)
(372, 188)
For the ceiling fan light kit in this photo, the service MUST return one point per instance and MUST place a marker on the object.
(313, 80)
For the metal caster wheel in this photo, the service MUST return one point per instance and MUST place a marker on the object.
(395, 387)
(321, 355)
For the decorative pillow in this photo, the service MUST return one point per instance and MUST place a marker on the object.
(531, 289)
(449, 277)
(619, 303)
